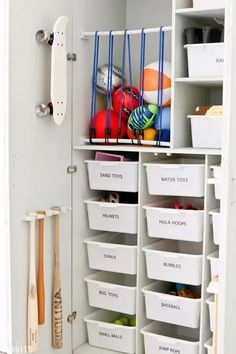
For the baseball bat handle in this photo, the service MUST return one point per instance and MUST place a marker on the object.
(40, 283)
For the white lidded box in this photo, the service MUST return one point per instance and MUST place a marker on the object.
(207, 131)
(111, 291)
(209, 346)
(205, 60)
(208, 4)
(120, 176)
(108, 251)
(103, 333)
(164, 221)
(160, 306)
(214, 263)
(176, 177)
(167, 338)
(210, 303)
(174, 261)
(114, 217)
(216, 223)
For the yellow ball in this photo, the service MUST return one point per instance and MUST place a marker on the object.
(149, 134)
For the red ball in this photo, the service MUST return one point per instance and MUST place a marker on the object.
(99, 122)
(128, 95)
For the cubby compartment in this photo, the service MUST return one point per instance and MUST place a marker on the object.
(210, 303)
(174, 261)
(113, 175)
(216, 225)
(112, 291)
(103, 333)
(176, 177)
(162, 337)
(214, 264)
(114, 217)
(164, 221)
(108, 251)
(161, 306)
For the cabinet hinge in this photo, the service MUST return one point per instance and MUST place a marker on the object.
(71, 56)
(71, 317)
(71, 169)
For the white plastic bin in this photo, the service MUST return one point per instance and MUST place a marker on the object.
(217, 186)
(207, 131)
(174, 261)
(160, 306)
(209, 346)
(108, 252)
(210, 303)
(215, 214)
(110, 291)
(104, 334)
(163, 221)
(176, 177)
(205, 60)
(208, 4)
(216, 171)
(113, 175)
(161, 337)
(114, 217)
(214, 263)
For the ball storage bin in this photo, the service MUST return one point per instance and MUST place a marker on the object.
(174, 261)
(206, 131)
(209, 346)
(161, 337)
(163, 221)
(103, 333)
(108, 251)
(176, 177)
(214, 263)
(216, 224)
(205, 60)
(160, 306)
(114, 217)
(208, 4)
(111, 291)
(113, 175)
(210, 303)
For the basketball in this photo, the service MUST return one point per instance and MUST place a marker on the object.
(102, 78)
(129, 97)
(99, 123)
(151, 88)
(143, 117)
(149, 134)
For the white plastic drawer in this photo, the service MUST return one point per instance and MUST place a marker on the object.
(114, 217)
(163, 221)
(216, 223)
(113, 175)
(160, 306)
(174, 261)
(206, 132)
(110, 291)
(165, 338)
(217, 186)
(214, 263)
(108, 252)
(104, 334)
(209, 4)
(209, 346)
(210, 303)
(205, 60)
(176, 177)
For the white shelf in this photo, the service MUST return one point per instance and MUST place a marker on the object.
(88, 349)
(202, 81)
(201, 13)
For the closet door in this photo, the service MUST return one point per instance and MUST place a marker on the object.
(40, 152)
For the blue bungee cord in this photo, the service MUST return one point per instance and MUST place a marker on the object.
(160, 84)
(122, 82)
(92, 132)
(141, 98)
(109, 87)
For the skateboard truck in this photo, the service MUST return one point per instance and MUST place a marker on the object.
(57, 41)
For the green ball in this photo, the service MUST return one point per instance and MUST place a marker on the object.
(125, 320)
(143, 117)
(118, 322)
(132, 322)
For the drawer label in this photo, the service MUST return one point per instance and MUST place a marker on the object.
(169, 349)
(171, 265)
(109, 256)
(170, 306)
(111, 216)
(111, 175)
(175, 179)
(108, 294)
(219, 60)
(172, 222)
(110, 335)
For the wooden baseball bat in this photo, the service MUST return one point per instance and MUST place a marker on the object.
(32, 295)
(40, 281)
(57, 315)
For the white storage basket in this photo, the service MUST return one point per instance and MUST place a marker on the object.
(110, 291)
(104, 334)
(115, 217)
(208, 4)
(174, 261)
(108, 252)
(162, 337)
(210, 303)
(207, 131)
(214, 263)
(176, 177)
(215, 214)
(217, 187)
(113, 175)
(205, 60)
(209, 346)
(163, 221)
(160, 306)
